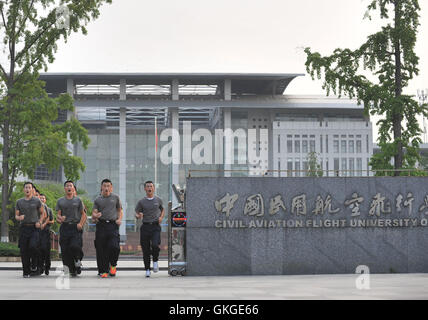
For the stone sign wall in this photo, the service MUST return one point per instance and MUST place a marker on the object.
(275, 226)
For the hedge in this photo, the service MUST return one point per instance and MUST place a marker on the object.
(9, 249)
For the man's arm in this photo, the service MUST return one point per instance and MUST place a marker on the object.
(119, 216)
(82, 220)
(42, 217)
(162, 215)
(50, 221)
(59, 217)
(139, 211)
(18, 216)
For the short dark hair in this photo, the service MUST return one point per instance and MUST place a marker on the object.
(28, 182)
(106, 181)
(147, 182)
(43, 195)
(70, 181)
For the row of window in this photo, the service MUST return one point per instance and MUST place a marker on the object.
(341, 166)
(306, 144)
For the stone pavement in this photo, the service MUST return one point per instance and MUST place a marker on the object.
(89, 265)
(133, 285)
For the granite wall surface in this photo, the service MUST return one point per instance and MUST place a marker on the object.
(276, 226)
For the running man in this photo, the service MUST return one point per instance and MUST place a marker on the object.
(72, 217)
(151, 210)
(107, 211)
(45, 238)
(29, 211)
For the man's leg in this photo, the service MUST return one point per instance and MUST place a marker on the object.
(34, 248)
(25, 254)
(66, 248)
(145, 245)
(76, 252)
(48, 253)
(113, 245)
(155, 240)
(44, 251)
(102, 259)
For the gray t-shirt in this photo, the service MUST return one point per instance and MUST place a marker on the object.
(108, 206)
(71, 209)
(29, 208)
(151, 209)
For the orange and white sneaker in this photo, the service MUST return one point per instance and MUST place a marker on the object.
(112, 271)
(104, 275)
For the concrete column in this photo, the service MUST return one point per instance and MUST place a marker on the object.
(174, 90)
(227, 121)
(175, 125)
(227, 89)
(122, 160)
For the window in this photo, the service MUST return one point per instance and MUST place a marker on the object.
(290, 167)
(312, 146)
(359, 167)
(335, 146)
(297, 146)
(344, 167)
(367, 143)
(326, 168)
(352, 167)
(321, 144)
(289, 146)
(326, 143)
(305, 146)
(279, 144)
(351, 146)
(336, 167)
(305, 168)
(343, 146)
(359, 146)
(297, 167)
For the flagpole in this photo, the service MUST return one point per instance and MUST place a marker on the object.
(156, 152)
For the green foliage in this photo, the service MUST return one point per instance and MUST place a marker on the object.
(9, 250)
(30, 31)
(390, 56)
(314, 167)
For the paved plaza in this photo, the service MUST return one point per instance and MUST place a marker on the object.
(130, 283)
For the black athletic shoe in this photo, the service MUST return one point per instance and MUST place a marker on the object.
(78, 270)
(47, 272)
(26, 275)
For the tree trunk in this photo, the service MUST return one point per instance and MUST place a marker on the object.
(397, 117)
(5, 186)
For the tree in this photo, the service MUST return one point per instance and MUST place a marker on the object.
(390, 56)
(314, 167)
(30, 30)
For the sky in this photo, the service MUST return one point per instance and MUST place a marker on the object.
(225, 36)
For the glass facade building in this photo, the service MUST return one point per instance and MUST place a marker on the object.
(123, 113)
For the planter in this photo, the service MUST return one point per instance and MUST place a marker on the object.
(10, 259)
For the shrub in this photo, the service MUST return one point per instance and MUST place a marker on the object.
(9, 250)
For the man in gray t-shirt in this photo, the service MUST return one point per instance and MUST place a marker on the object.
(72, 217)
(151, 210)
(29, 211)
(107, 212)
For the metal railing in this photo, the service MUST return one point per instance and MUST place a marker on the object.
(316, 173)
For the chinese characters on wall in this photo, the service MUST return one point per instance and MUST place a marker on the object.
(323, 211)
